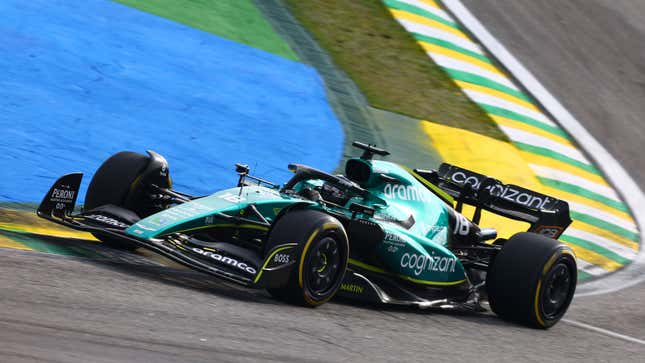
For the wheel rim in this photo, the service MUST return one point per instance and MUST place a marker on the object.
(324, 266)
(557, 291)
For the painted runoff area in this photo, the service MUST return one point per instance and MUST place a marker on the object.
(83, 80)
(541, 156)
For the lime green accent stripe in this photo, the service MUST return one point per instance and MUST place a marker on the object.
(605, 225)
(554, 155)
(575, 189)
(583, 275)
(452, 46)
(268, 259)
(380, 270)
(485, 82)
(366, 266)
(435, 189)
(225, 225)
(593, 247)
(418, 11)
(524, 119)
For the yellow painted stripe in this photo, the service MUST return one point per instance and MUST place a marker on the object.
(498, 94)
(595, 258)
(433, 48)
(555, 164)
(481, 154)
(47, 231)
(400, 14)
(570, 197)
(503, 121)
(606, 234)
(6, 242)
(431, 3)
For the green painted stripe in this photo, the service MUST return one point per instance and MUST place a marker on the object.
(557, 156)
(585, 218)
(576, 189)
(598, 249)
(418, 11)
(498, 111)
(583, 275)
(485, 82)
(451, 46)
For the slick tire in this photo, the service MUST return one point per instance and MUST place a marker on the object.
(532, 280)
(111, 185)
(322, 260)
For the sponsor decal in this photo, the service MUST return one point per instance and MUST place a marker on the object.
(282, 258)
(406, 192)
(420, 263)
(107, 220)
(393, 237)
(62, 195)
(504, 191)
(394, 241)
(356, 289)
(225, 259)
(208, 220)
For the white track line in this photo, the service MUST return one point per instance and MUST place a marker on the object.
(452, 63)
(625, 185)
(440, 34)
(604, 331)
(481, 97)
(543, 142)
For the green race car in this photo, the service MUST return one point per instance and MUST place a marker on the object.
(380, 233)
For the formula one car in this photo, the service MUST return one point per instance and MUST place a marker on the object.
(381, 233)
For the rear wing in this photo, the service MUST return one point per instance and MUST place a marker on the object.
(547, 215)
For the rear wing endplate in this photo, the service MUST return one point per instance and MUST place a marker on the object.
(547, 215)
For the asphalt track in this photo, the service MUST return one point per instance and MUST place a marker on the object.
(55, 308)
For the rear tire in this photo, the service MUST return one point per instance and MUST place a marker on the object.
(532, 280)
(322, 258)
(111, 185)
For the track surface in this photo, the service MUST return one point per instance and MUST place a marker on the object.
(55, 308)
(74, 310)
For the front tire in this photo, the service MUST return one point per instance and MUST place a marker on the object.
(322, 261)
(532, 280)
(111, 185)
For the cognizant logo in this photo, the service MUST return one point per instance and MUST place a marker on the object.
(420, 263)
(522, 197)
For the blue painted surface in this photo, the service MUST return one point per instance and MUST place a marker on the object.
(81, 80)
